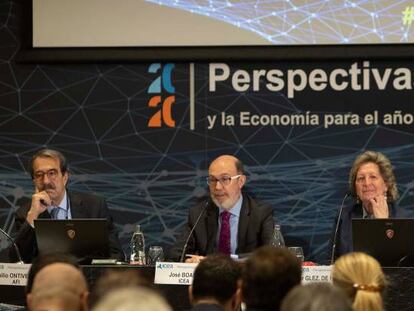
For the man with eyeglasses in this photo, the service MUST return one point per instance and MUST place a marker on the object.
(233, 223)
(50, 175)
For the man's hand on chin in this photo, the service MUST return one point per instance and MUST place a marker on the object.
(40, 201)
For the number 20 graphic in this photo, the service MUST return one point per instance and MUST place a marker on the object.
(163, 115)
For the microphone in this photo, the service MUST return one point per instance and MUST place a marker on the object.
(401, 261)
(19, 257)
(192, 230)
(337, 227)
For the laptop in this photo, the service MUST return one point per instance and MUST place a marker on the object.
(86, 239)
(387, 240)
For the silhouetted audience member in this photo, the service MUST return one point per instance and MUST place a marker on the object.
(216, 284)
(39, 263)
(44, 260)
(58, 287)
(268, 275)
(316, 297)
(113, 280)
(132, 299)
(360, 276)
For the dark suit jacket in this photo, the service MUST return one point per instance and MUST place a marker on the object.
(344, 236)
(255, 229)
(81, 206)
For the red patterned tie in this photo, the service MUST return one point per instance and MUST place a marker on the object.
(224, 239)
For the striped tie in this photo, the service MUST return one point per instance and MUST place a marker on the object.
(57, 213)
(224, 238)
(54, 213)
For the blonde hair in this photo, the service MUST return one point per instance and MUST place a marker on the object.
(385, 169)
(360, 276)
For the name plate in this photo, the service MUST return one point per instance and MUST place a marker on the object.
(174, 273)
(14, 274)
(314, 274)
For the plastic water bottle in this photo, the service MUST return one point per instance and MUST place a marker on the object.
(277, 238)
(137, 247)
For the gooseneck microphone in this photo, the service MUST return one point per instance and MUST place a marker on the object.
(19, 257)
(192, 230)
(337, 227)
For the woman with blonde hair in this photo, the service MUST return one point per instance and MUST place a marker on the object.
(360, 276)
(373, 186)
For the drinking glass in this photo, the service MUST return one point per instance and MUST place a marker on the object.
(155, 253)
(298, 252)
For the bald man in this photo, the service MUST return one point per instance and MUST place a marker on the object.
(58, 287)
(231, 223)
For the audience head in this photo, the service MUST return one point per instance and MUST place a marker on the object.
(113, 280)
(316, 297)
(360, 276)
(216, 280)
(47, 259)
(268, 275)
(132, 299)
(58, 287)
(226, 179)
(385, 182)
(54, 299)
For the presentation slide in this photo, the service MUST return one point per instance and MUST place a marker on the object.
(157, 23)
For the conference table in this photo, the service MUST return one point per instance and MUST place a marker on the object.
(399, 295)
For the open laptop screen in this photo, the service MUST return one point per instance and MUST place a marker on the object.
(387, 240)
(84, 238)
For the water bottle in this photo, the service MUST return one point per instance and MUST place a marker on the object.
(277, 238)
(137, 247)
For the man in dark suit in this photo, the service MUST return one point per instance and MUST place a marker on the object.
(49, 172)
(216, 284)
(233, 223)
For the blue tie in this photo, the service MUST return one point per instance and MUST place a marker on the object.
(58, 213)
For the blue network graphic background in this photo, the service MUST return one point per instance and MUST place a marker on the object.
(97, 115)
(309, 22)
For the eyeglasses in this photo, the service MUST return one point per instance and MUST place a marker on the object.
(224, 180)
(51, 174)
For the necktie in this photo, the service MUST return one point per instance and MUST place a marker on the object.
(224, 238)
(57, 213)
